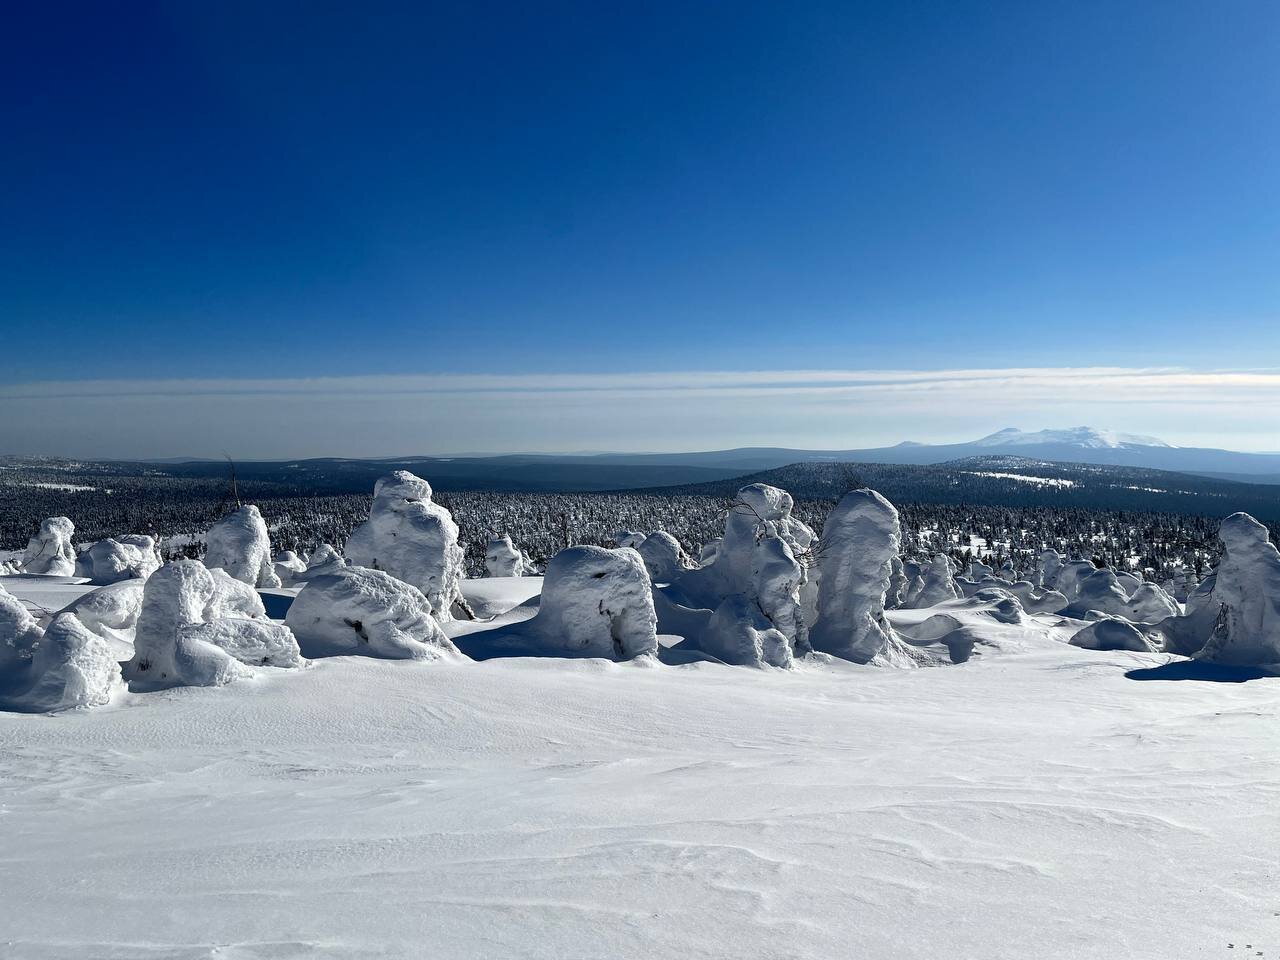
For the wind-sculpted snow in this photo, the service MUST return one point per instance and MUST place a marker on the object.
(239, 545)
(504, 559)
(111, 611)
(1112, 633)
(937, 584)
(595, 603)
(413, 539)
(663, 557)
(200, 627)
(323, 561)
(739, 634)
(859, 541)
(129, 557)
(1246, 593)
(69, 666)
(50, 551)
(287, 566)
(362, 611)
(758, 558)
(19, 633)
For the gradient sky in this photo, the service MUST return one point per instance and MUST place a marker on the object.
(257, 194)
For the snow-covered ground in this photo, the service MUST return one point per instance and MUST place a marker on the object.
(1037, 801)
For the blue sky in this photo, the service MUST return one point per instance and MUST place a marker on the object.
(282, 191)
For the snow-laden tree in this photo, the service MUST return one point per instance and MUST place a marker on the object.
(663, 556)
(239, 545)
(859, 541)
(413, 539)
(503, 558)
(50, 551)
(129, 557)
(1246, 593)
(595, 602)
(936, 584)
(287, 566)
(357, 610)
(200, 627)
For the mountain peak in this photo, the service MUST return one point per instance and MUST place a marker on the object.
(1087, 437)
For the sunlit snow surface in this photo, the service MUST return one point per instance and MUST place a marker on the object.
(1034, 802)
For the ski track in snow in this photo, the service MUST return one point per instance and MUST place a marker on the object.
(1035, 803)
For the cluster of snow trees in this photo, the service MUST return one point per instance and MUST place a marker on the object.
(766, 591)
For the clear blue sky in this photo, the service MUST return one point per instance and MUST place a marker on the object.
(298, 189)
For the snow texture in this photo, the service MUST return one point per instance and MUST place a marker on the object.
(413, 539)
(69, 666)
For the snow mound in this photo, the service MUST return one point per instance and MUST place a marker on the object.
(130, 557)
(325, 560)
(200, 627)
(110, 611)
(595, 603)
(357, 610)
(19, 632)
(1112, 633)
(70, 666)
(859, 541)
(739, 634)
(50, 551)
(413, 539)
(239, 545)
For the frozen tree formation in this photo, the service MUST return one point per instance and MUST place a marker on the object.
(739, 634)
(502, 558)
(936, 585)
(200, 627)
(130, 557)
(1245, 597)
(859, 541)
(70, 666)
(1047, 568)
(595, 603)
(50, 551)
(758, 557)
(628, 538)
(287, 566)
(111, 611)
(325, 560)
(663, 556)
(19, 633)
(238, 544)
(413, 539)
(362, 611)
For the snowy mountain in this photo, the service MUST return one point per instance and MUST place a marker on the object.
(1088, 438)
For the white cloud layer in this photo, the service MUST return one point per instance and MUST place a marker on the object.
(683, 410)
